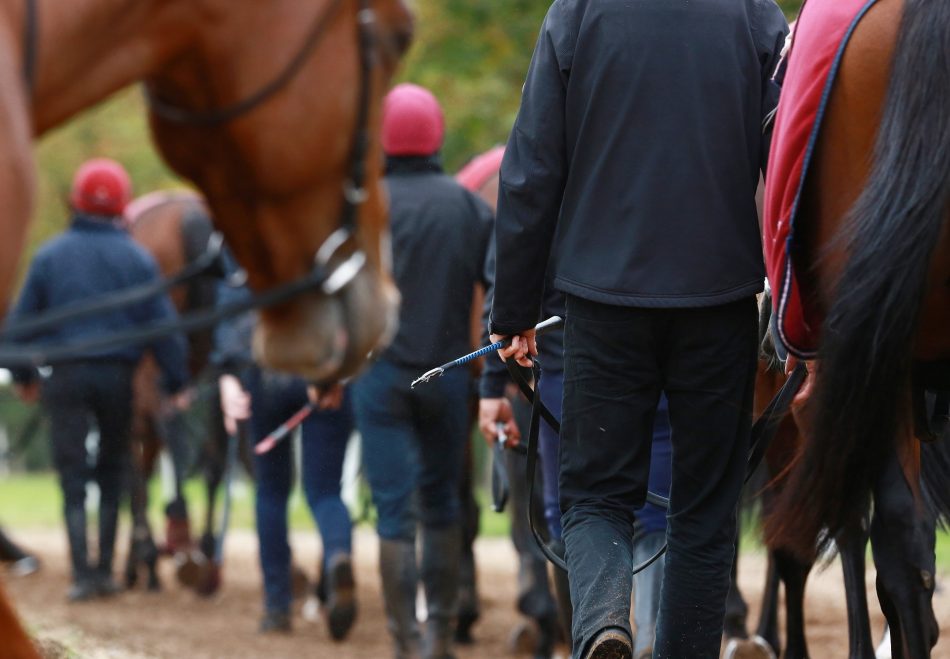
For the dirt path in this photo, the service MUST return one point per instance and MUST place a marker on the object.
(176, 623)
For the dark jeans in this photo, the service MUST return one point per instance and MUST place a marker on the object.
(617, 362)
(75, 395)
(274, 398)
(413, 443)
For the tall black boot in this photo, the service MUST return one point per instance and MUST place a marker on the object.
(83, 587)
(562, 592)
(400, 576)
(440, 577)
(108, 523)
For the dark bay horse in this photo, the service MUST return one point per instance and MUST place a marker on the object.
(175, 227)
(874, 262)
(902, 535)
(269, 108)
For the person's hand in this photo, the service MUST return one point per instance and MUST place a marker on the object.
(235, 402)
(522, 347)
(326, 398)
(182, 400)
(28, 392)
(491, 412)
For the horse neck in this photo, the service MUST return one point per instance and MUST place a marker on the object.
(89, 49)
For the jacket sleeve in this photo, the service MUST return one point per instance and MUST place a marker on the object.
(771, 29)
(494, 376)
(171, 350)
(32, 300)
(533, 175)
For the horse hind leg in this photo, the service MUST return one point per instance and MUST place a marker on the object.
(851, 548)
(903, 537)
(794, 574)
(765, 644)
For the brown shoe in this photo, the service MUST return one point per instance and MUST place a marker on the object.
(611, 644)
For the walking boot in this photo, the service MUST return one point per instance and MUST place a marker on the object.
(275, 622)
(562, 593)
(610, 644)
(400, 576)
(84, 587)
(108, 523)
(340, 590)
(440, 577)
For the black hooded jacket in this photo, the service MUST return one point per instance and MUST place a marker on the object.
(633, 163)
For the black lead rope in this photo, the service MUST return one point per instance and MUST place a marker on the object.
(30, 45)
(209, 263)
(24, 356)
(763, 430)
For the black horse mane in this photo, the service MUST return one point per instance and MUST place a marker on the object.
(861, 400)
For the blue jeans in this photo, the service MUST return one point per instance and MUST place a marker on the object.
(413, 441)
(274, 398)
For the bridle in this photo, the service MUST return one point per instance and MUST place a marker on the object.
(323, 276)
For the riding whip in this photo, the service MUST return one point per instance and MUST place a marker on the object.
(554, 322)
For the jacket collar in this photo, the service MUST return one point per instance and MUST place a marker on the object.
(414, 164)
(85, 222)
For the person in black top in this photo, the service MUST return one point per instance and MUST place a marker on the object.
(631, 170)
(93, 257)
(413, 439)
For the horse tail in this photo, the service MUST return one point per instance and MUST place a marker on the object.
(861, 400)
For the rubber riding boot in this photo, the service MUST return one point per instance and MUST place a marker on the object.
(562, 592)
(108, 524)
(400, 576)
(646, 588)
(468, 605)
(84, 587)
(340, 590)
(610, 643)
(440, 577)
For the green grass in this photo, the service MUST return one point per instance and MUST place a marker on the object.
(34, 501)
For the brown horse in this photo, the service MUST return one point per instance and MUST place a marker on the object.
(269, 108)
(175, 227)
(902, 536)
(262, 106)
(874, 262)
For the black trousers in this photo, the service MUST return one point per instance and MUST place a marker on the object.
(74, 396)
(617, 361)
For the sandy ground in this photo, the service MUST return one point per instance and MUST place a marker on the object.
(177, 623)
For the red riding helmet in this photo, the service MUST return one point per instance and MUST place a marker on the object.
(101, 187)
(413, 123)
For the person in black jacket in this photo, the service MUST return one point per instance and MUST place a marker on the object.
(93, 257)
(631, 170)
(413, 440)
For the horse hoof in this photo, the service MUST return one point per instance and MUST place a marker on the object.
(210, 583)
(755, 648)
(190, 568)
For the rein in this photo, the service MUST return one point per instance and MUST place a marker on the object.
(30, 44)
(206, 118)
(323, 277)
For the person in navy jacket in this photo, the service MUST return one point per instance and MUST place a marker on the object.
(94, 256)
